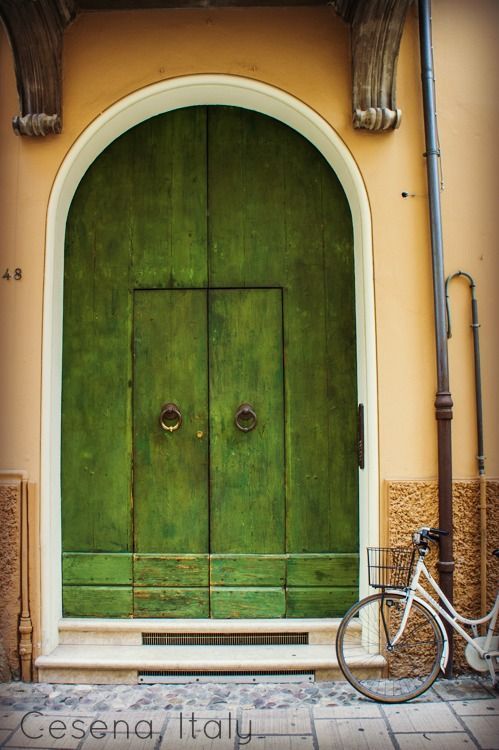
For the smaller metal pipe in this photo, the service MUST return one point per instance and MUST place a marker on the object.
(25, 623)
(475, 325)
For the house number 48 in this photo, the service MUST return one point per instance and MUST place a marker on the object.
(16, 275)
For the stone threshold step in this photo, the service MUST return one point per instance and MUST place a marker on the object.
(189, 657)
(123, 664)
(254, 625)
(193, 632)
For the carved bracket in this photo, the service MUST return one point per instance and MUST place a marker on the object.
(376, 28)
(35, 29)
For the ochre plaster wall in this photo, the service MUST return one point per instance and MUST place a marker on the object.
(305, 52)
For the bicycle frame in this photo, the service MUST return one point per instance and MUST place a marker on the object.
(450, 615)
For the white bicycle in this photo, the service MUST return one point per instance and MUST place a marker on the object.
(392, 645)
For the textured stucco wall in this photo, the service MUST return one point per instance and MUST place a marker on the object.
(411, 505)
(10, 576)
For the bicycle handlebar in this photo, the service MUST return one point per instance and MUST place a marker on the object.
(428, 534)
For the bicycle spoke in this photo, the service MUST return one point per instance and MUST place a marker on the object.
(373, 664)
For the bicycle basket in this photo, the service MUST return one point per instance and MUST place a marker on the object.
(390, 567)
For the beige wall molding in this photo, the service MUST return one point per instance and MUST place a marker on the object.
(161, 97)
(36, 32)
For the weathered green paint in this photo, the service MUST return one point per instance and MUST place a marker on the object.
(167, 222)
(177, 570)
(247, 570)
(278, 216)
(82, 568)
(96, 398)
(247, 184)
(171, 602)
(246, 468)
(321, 601)
(97, 601)
(170, 486)
(209, 262)
(341, 519)
(248, 602)
(320, 570)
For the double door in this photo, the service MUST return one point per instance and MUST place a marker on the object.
(209, 470)
(209, 409)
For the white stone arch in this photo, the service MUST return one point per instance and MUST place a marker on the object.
(136, 107)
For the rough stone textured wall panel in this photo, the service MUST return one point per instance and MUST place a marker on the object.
(10, 578)
(414, 503)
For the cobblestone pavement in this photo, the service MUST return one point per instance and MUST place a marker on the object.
(460, 713)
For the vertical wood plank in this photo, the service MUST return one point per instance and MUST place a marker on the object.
(96, 404)
(246, 468)
(168, 212)
(341, 364)
(307, 440)
(246, 191)
(170, 469)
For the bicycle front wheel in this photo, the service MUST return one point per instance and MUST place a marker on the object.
(379, 669)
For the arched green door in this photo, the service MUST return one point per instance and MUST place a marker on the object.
(209, 279)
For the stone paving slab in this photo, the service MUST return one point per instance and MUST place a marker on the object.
(277, 721)
(468, 688)
(436, 740)
(455, 714)
(417, 718)
(117, 743)
(276, 742)
(485, 730)
(363, 711)
(353, 734)
(476, 708)
(179, 736)
(205, 726)
(10, 719)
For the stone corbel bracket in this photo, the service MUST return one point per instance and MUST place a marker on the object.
(376, 31)
(35, 29)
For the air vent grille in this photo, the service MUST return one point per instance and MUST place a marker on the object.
(224, 639)
(178, 676)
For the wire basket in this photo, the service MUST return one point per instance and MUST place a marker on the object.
(390, 567)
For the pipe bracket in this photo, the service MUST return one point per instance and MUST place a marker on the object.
(443, 405)
(446, 566)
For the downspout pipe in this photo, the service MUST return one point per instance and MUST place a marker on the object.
(443, 399)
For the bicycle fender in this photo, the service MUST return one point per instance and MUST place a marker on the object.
(445, 651)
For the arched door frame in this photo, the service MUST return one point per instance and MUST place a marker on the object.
(136, 107)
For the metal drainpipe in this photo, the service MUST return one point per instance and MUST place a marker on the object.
(443, 400)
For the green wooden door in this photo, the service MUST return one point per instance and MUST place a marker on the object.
(170, 470)
(247, 471)
(209, 264)
(208, 497)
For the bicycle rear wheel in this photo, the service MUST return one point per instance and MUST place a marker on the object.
(378, 670)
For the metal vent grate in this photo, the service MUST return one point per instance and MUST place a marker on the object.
(290, 675)
(224, 639)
